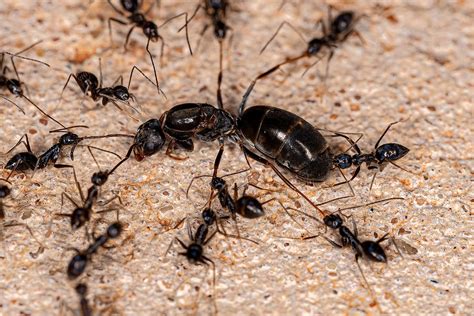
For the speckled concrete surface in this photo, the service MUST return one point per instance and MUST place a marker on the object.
(416, 65)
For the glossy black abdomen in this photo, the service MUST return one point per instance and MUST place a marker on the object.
(286, 139)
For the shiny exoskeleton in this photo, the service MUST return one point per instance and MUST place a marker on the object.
(78, 263)
(287, 139)
(81, 290)
(381, 156)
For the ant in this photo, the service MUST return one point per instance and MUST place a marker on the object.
(335, 32)
(377, 159)
(82, 214)
(369, 249)
(78, 263)
(92, 87)
(28, 160)
(194, 252)
(14, 86)
(81, 290)
(138, 19)
(5, 191)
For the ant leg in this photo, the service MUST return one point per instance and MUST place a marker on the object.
(331, 54)
(115, 8)
(263, 75)
(153, 64)
(19, 108)
(293, 219)
(170, 153)
(127, 156)
(278, 30)
(185, 26)
(204, 259)
(192, 17)
(201, 34)
(64, 194)
(385, 132)
(100, 72)
(284, 179)
(311, 66)
(143, 74)
(65, 85)
(335, 244)
(110, 27)
(220, 104)
(127, 38)
(27, 144)
(372, 182)
(78, 185)
(116, 197)
(404, 169)
(12, 224)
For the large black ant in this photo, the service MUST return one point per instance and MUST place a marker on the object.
(92, 87)
(14, 86)
(81, 290)
(377, 159)
(150, 29)
(29, 161)
(335, 32)
(78, 263)
(4, 193)
(82, 213)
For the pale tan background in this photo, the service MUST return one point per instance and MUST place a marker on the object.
(417, 64)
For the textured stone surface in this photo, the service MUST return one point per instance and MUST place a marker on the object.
(416, 65)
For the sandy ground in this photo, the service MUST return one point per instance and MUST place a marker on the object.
(416, 65)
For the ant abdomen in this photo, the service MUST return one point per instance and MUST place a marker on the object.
(249, 207)
(390, 152)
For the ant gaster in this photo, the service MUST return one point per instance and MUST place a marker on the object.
(78, 263)
(150, 29)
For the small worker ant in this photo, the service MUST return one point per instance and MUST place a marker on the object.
(369, 249)
(81, 290)
(335, 32)
(194, 252)
(377, 159)
(29, 161)
(14, 86)
(78, 263)
(150, 29)
(82, 214)
(4, 193)
(91, 86)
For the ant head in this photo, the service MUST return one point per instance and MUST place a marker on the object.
(81, 289)
(100, 177)
(130, 5)
(315, 45)
(218, 183)
(114, 230)
(14, 86)
(194, 252)
(121, 93)
(374, 251)
(342, 161)
(390, 152)
(333, 221)
(342, 23)
(149, 139)
(249, 207)
(220, 29)
(4, 191)
(151, 30)
(79, 217)
(208, 216)
(76, 266)
(68, 139)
